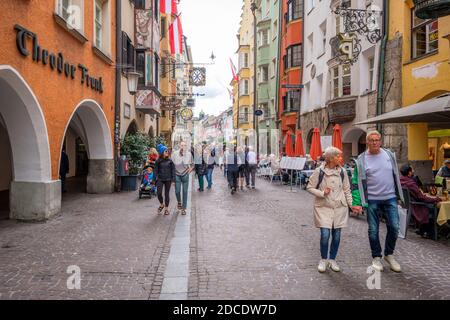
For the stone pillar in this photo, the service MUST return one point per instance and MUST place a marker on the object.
(101, 176)
(34, 201)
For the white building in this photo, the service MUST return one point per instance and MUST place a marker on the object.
(336, 93)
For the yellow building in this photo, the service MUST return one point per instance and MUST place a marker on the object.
(417, 78)
(168, 78)
(425, 75)
(243, 105)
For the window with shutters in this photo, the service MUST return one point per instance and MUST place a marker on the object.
(127, 53)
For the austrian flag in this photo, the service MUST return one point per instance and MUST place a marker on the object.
(176, 36)
(168, 6)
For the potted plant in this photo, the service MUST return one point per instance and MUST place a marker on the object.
(135, 147)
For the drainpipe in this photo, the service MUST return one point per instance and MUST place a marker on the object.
(382, 63)
(117, 93)
(277, 90)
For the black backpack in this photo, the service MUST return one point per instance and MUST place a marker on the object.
(322, 173)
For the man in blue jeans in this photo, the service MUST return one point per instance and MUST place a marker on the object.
(182, 159)
(211, 163)
(376, 186)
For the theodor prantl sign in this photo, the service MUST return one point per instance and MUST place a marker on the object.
(55, 61)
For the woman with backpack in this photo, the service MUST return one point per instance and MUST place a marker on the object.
(330, 185)
(164, 175)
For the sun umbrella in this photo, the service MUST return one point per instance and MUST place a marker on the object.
(289, 148)
(299, 151)
(316, 147)
(337, 137)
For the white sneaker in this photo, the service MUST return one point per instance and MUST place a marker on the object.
(334, 266)
(323, 264)
(395, 266)
(376, 264)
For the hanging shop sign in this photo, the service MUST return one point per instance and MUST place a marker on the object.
(197, 77)
(346, 47)
(55, 61)
(190, 102)
(170, 103)
(186, 114)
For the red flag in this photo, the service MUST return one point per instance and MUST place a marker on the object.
(168, 6)
(234, 71)
(176, 36)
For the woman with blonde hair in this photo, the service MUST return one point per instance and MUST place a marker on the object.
(330, 185)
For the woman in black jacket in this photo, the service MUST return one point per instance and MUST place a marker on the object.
(200, 166)
(164, 175)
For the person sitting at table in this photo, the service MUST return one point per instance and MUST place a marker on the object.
(444, 171)
(420, 213)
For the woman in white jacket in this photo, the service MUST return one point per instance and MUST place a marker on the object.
(330, 185)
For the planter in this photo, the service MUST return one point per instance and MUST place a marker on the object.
(130, 183)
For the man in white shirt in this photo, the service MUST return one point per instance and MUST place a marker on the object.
(252, 164)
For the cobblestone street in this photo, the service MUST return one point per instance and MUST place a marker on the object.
(262, 244)
(257, 244)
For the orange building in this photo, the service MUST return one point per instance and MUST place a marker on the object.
(57, 89)
(290, 65)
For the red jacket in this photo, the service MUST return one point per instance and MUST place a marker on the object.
(419, 212)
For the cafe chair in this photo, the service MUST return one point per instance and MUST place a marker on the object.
(432, 206)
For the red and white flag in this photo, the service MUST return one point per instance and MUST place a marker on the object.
(176, 36)
(234, 71)
(168, 6)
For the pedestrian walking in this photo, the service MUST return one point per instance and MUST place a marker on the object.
(164, 176)
(182, 159)
(232, 168)
(211, 161)
(376, 187)
(242, 167)
(63, 170)
(200, 166)
(252, 165)
(330, 185)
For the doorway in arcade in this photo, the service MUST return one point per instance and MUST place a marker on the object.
(5, 170)
(88, 146)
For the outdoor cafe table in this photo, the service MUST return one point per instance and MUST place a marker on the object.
(444, 212)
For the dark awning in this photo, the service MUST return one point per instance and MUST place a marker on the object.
(436, 110)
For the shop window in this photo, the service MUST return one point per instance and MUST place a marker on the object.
(425, 35)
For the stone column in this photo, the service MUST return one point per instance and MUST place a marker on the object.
(101, 176)
(34, 201)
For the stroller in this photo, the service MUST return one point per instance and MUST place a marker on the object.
(149, 190)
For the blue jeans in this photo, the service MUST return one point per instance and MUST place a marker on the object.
(209, 173)
(325, 240)
(387, 208)
(182, 182)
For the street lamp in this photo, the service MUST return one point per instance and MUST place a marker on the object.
(132, 81)
(253, 7)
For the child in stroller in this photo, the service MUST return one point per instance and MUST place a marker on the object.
(147, 186)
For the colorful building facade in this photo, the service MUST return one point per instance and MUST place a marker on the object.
(57, 88)
(290, 66)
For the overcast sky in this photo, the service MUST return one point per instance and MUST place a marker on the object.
(212, 25)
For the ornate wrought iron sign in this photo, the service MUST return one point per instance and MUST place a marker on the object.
(363, 22)
(346, 48)
(170, 103)
(197, 77)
